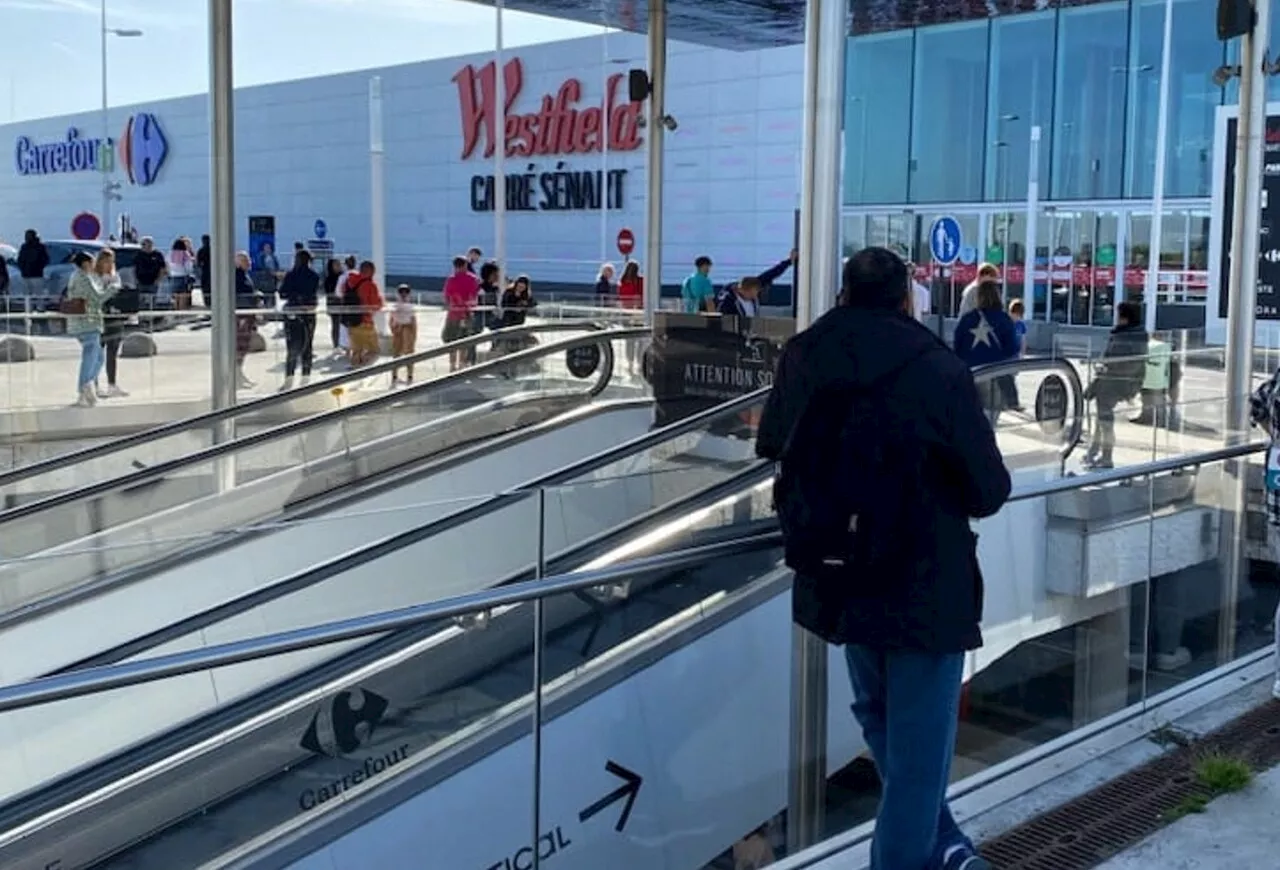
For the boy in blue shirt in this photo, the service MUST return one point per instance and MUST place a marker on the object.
(697, 292)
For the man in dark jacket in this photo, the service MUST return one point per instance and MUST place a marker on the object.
(904, 637)
(1118, 379)
(300, 291)
(33, 258)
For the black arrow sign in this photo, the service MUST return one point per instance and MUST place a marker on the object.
(628, 790)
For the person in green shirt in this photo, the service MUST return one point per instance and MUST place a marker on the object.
(696, 292)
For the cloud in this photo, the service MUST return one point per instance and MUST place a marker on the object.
(132, 12)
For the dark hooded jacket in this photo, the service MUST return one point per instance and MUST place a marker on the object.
(939, 608)
(1124, 366)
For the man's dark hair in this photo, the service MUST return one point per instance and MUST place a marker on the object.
(874, 278)
(459, 263)
(476, 251)
(301, 259)
(704, 260)
(350, 262)
(1129, 312)
(367, 266)
(489, 272)
(298, 246)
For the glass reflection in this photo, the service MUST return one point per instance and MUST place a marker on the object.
(877, 122)
(1194, 53)
(1088, 126)
(1021, 96)
(948, 107)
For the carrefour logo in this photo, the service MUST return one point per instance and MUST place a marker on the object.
(143, 148)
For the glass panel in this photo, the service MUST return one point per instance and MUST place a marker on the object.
(1088, 125)
(1194, 53)
(1007, 248)
(1106, 272)
(948, 107)
(855, 234)
(901, 236)
(147, 512)
(877, 117)
(1021, 95)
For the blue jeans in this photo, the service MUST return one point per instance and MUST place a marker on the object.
(908, 704)
(90, 357)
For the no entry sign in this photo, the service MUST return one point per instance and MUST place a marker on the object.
(626, 242)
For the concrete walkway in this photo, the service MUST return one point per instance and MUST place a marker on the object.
(1237, 832)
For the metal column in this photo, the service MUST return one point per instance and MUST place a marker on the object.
(1241, 313)
(826, 35)
(1152, 285)
(500, 151)
(104, 153)
(222, 222)
(377, 183)
(654, 156)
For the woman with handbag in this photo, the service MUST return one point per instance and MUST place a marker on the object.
(87, 290)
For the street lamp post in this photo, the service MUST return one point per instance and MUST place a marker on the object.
(103, 162)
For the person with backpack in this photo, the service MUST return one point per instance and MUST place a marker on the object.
(361, 301)
(885, 455)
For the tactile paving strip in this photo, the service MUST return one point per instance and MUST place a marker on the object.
(1092, 828)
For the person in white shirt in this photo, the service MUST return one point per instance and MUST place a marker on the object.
(921, 298)
(969, 298)
(404, 331)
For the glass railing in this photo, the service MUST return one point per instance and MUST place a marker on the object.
(672, 669)
(130, 517)
(669, 493)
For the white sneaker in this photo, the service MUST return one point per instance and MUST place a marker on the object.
(115, 392)
(287, 385)
(101, 393)
(306, 380)
(83, 400)
(243, 382)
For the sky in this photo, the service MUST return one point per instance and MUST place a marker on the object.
(51, 62)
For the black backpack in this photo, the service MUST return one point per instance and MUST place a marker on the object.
(352, 313)
(849, 487)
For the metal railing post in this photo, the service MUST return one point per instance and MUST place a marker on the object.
(826, 31)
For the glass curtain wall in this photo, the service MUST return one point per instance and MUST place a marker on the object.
(1020, 96)
(948, 113)
(1193, 99)
(1088, 124)
(877, 118)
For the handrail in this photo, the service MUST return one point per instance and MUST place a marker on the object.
(216, 451)
(201, 421)
(1076, 430)
(47, 690)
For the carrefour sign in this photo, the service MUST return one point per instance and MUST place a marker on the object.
(142, 149)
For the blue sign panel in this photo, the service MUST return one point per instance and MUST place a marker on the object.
(143, 148)
(944, 240)
(321, 228)
(72, 154)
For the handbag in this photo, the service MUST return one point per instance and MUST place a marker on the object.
(72, 306)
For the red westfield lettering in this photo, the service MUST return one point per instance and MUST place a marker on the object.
(560, 126)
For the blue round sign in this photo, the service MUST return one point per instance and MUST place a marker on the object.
(85, 226)
(321, 229)
(945, 240)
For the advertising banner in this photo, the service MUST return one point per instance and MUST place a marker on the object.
(262, 235)
(1268, 300)
(698, 361)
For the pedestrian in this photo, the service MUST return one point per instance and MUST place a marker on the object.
(697, 293)
(404, 331)
(88, 288)
(299, 291)
(1118, 378)
(33, 259)
(885, 457)
(1264, 410)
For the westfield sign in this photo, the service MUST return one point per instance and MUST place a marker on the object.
(561, 125)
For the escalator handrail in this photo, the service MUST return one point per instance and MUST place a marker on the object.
(252, 406)
(1075, 431)
(215, 451)
(695, 421)
(47, 690)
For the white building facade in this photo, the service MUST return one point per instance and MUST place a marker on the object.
(575, 163)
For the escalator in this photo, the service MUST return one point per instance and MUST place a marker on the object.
(251, 762)
(350, 471)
